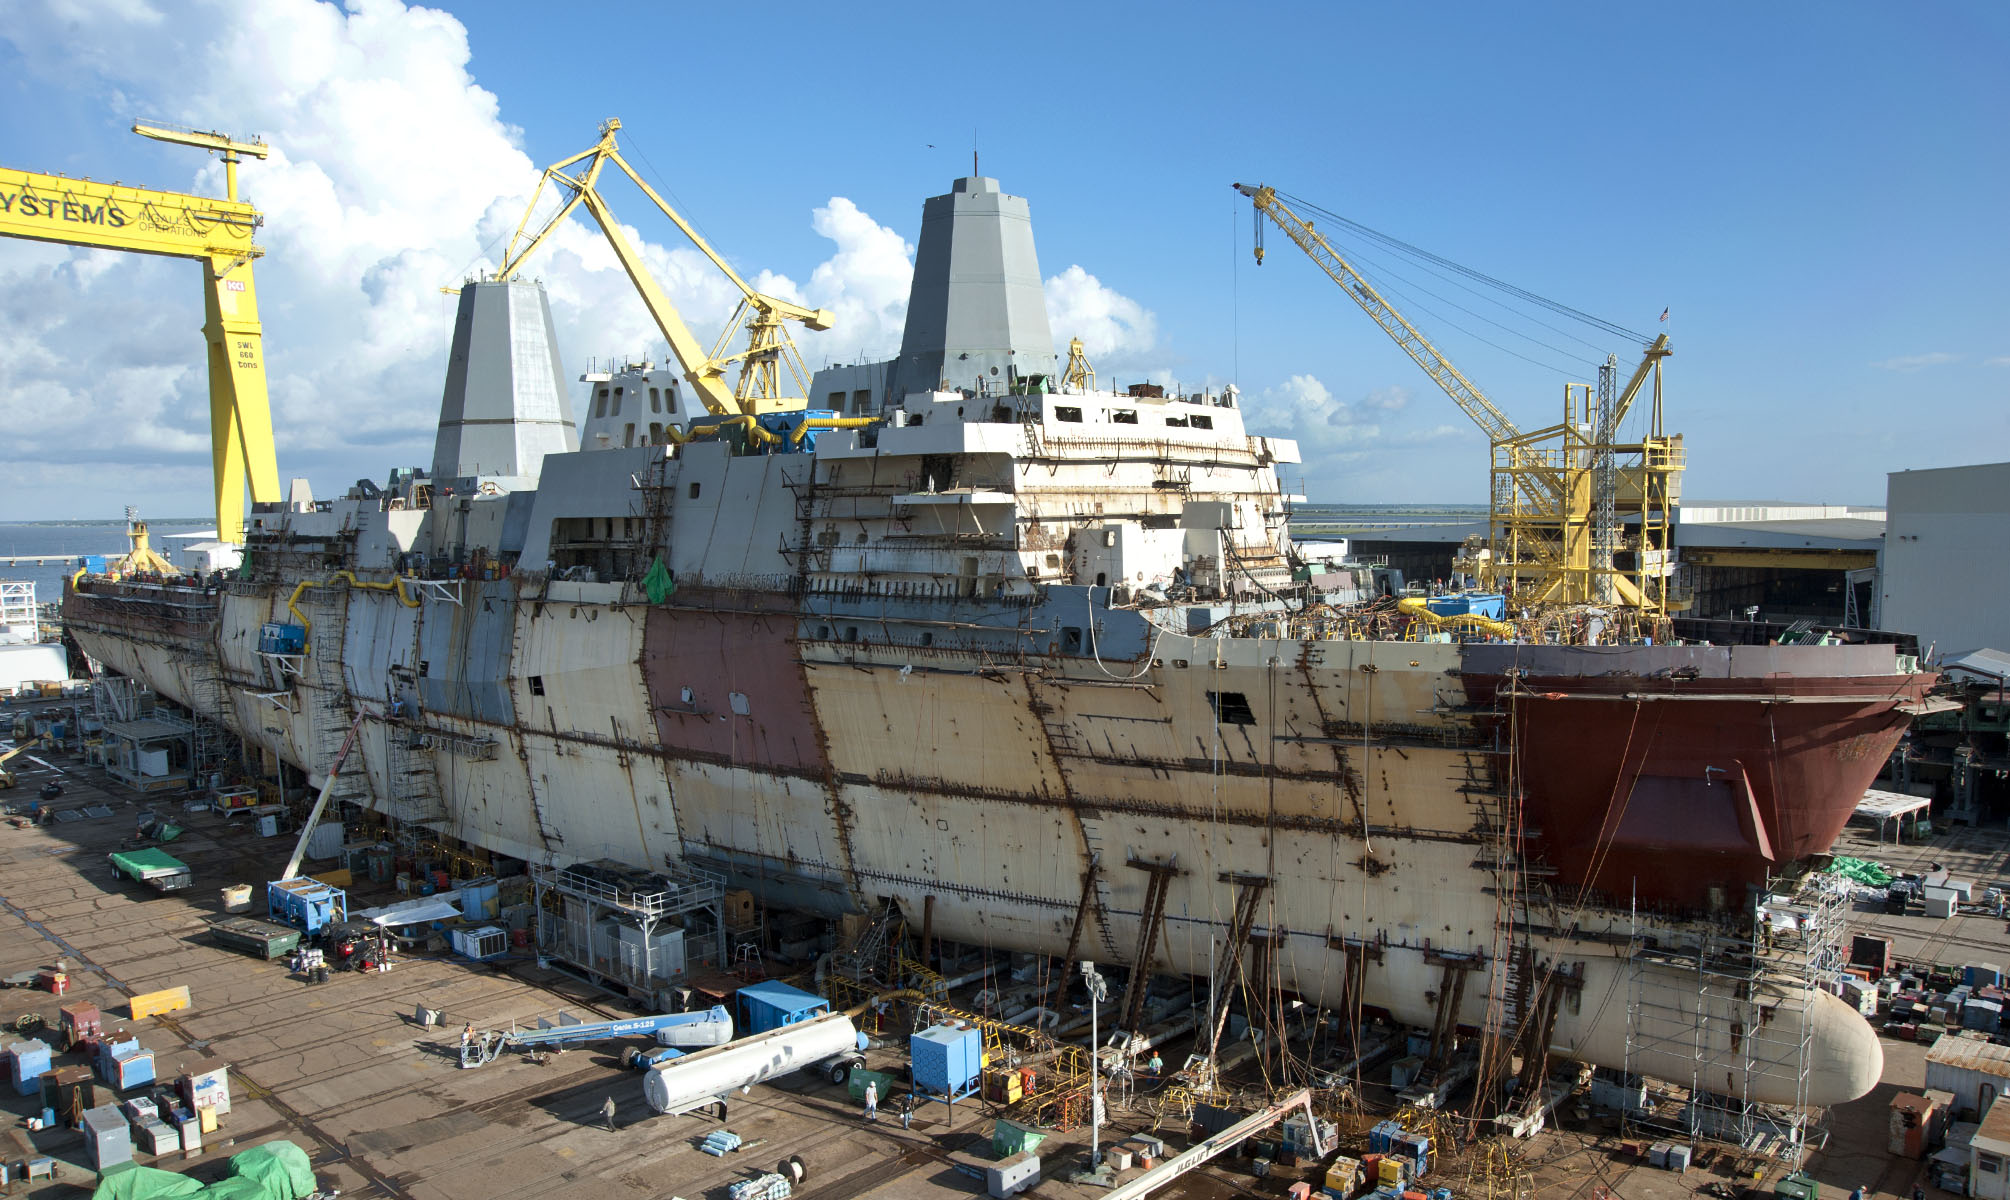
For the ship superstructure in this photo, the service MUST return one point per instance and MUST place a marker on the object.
(1045, 661)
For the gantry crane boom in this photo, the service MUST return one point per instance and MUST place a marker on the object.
(1463, 391)
(759, 388)
(216, 233)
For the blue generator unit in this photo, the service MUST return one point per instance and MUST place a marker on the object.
(306, 904)
(765, 1006)
(275, 637)
(948, 1061)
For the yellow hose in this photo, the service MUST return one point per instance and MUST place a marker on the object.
(397, 584)
(809, 423)
(1417, 606)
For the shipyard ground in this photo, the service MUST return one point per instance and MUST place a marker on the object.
(343, 1068)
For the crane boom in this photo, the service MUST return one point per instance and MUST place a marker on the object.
(1463, 391)
(759, 386)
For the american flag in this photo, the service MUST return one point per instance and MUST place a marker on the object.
(1664, 314)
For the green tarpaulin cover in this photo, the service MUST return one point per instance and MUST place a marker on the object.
(1861, 870)
(274, 1171)
(657, 583)
(138, 862)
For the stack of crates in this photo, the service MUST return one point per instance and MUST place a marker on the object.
(125, 1064)
(1342, 1177)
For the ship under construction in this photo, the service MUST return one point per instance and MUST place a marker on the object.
(963, 634)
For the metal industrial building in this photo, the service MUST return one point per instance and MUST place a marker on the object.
(1946, 563)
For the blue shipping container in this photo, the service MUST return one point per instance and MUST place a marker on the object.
(947, 1061)
(1982, 975)
(275, 637)
(30, 1061)
(765, 1006)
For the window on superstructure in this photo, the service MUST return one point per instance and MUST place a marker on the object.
(670, 399)
(616, 409)
(628, 434)
(537, 685)
(600, 403)
(1123, 416)
(1231, 708)
(655, 400)
(861, 401)
(655, 433)
(1063, 412)
(835, 401)
(1176, 422)
(1203, 421)
(694, 491)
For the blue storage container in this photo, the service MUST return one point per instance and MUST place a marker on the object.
(29, 1061)
(948, 1061)
(306, 903)
(125, 1065)
(1483, 604)
(1982, 975)
(765, 1006)
(94, 564)
(1985, 1015)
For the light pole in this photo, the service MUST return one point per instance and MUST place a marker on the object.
(1098, 992)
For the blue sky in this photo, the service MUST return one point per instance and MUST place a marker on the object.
(1814, 192)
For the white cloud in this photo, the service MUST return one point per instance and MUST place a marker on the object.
(393, 172)
(1331, 431)
(1917, 362)
(864, 284)
(1111, 325)
(2001, 360)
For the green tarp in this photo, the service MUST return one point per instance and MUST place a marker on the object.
(657, 583)
(137, 863)
(274, 1171)
(1861, 870)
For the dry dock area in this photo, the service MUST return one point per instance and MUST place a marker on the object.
(346, 1070)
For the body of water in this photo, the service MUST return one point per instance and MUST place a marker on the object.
(71, 538)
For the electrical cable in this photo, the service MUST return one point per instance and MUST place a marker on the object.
(1356, 256)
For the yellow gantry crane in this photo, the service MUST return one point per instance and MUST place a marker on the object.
(769, 347)
(1558, 495)
(215, 233)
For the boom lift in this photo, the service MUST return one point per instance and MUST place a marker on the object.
(769, 347)
(7, 776)
(216, 233)
(1557, 495)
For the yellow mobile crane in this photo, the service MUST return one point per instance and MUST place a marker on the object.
(216, 233)
(7, 777)
(1558, 495)
(769, 347)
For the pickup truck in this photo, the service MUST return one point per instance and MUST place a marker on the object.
(156, 868)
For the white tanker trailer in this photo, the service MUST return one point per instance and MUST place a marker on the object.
(828, 1044)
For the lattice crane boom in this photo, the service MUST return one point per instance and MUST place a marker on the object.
(1463, 391)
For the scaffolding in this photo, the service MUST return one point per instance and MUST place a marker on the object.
(1735, 982)
(629, 930)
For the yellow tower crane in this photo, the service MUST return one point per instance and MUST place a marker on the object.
(215, 233)
(1558, 496)
(769, 347)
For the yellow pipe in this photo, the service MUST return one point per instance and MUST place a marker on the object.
(809, 423)
(75, 578)
(1417, 606)
(856, 1010)
(397, 584)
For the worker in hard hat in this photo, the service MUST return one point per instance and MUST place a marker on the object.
(871, 1100)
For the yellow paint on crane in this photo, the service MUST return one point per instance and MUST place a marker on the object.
(215, 233)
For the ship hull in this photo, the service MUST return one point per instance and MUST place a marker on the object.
(1361, 783)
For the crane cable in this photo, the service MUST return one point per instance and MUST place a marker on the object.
(1393, 243)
